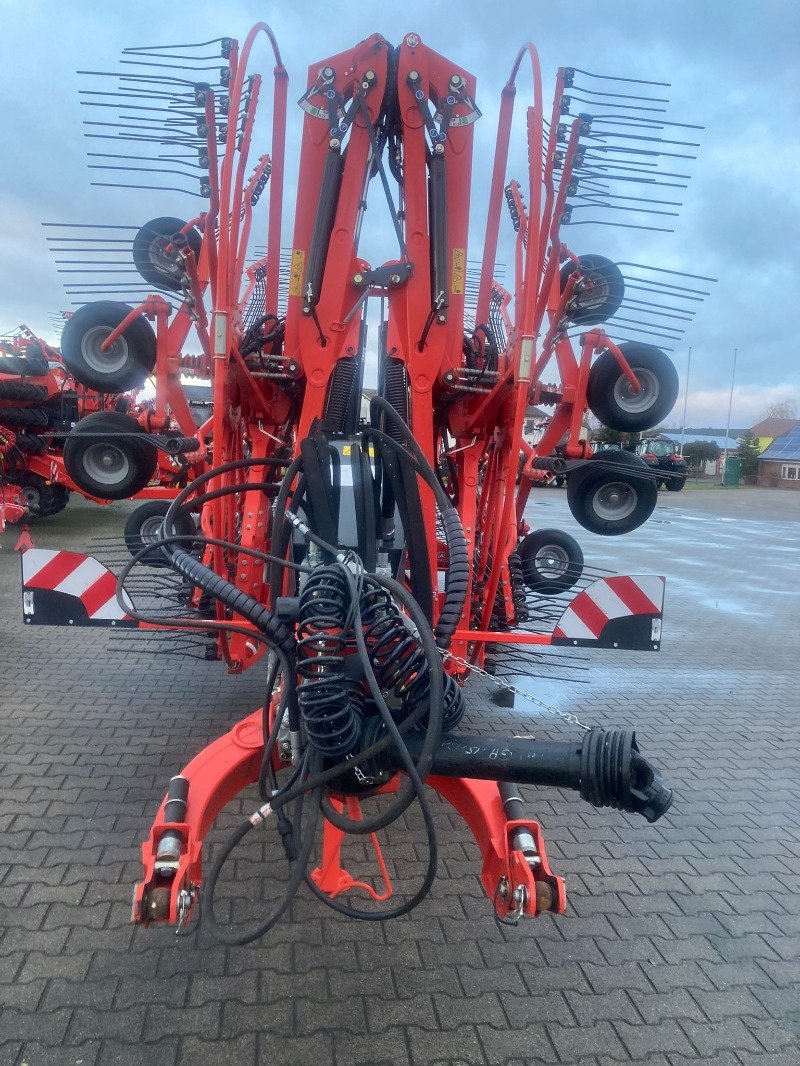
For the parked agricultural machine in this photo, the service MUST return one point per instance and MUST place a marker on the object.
(54, 414)
(373, 564)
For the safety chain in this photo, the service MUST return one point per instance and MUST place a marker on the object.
(571, 719)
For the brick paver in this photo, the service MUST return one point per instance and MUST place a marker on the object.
(682, 939)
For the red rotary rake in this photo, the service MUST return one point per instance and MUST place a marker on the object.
(374, 561)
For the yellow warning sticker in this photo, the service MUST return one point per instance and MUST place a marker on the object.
(346, 449)
(297, 271)
(459, 268)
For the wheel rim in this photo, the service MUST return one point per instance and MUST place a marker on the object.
(615, 501)
(106, 463)
(31, 497)
(150, 529)
(161, 261)
(551, 562)
(641, 401)
(104, 362)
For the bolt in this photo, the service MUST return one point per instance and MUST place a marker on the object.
(412, 40)
(335, 142)
(438, 149)
(413, 75)
(358, 279)
(328, 73)
(441, 318)
(395, 279)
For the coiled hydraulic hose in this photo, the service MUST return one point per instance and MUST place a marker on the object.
(332, 720)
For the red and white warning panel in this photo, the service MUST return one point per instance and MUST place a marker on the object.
(615, 612)
(66, 588)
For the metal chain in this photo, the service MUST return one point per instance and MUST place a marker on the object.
(571, 719)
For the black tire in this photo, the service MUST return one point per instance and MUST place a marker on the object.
(37, 495)
(611, 399)
(126, 364)
(30, 444)
(22, 391)
(144, 525)
(598, 294)
(34, 417)
(552, 561)
(149, 255)
(60, 500)
(35, 361)
(674, 485)
(608, 502)
(112, 468)
(620, 458)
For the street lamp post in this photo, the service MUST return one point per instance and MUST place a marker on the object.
(686, 399)
(730, 406)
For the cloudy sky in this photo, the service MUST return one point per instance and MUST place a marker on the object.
(733, 68)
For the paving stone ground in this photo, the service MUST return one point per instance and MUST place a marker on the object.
(681, 943)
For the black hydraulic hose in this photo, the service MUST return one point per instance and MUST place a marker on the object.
(234, 598)
(457, 578)
(405, 491)
(225, 934)
(319, 486)
(458, 570)
(278, 525)
(429, 741)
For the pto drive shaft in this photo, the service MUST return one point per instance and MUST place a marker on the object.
(604, 766)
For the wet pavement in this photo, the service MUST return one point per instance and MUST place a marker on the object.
(681, 941)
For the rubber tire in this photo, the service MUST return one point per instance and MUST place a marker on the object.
(142, 455)
(621, 458)
(582, 487)
(139, 340)
(22, 391)
(605, 375)
(146, 249)
(60, 500)
(674, 485)
(529, 548)
(598, 271)
(184, 525)
(35, 417)
(30, 444)
(35, 361)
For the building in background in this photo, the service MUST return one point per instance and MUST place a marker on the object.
(779, 463)
(768, 429)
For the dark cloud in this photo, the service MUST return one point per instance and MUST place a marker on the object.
(733, 68)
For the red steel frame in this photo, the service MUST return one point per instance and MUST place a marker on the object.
(260, 418)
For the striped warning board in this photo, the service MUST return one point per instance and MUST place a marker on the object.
(67, 588)
(615, 612)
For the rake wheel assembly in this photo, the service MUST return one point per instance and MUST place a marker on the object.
(109, 455)
(369, 555)
(124, 364)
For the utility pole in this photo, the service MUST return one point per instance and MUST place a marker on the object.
(686, 399)
(730, 406)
